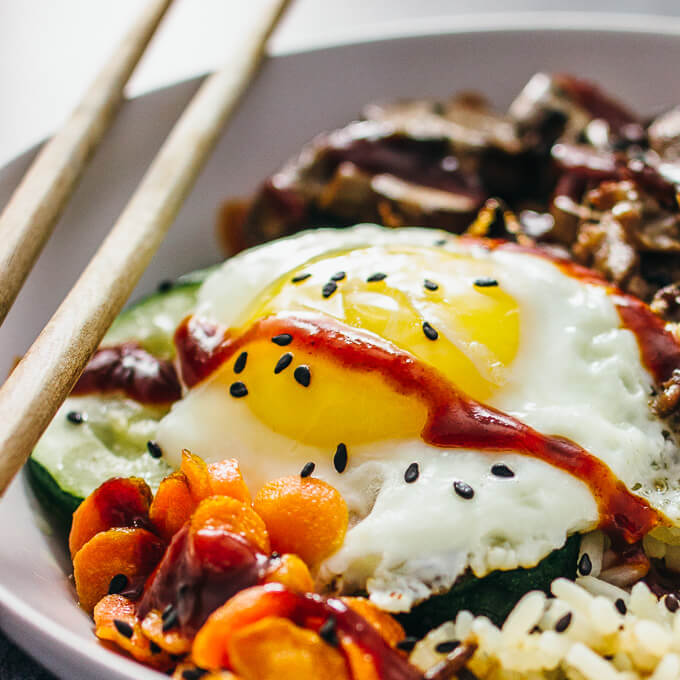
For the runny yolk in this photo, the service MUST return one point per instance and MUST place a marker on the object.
(477, 339)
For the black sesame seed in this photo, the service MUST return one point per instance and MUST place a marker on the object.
(463, 490)
(155, 451)
(446, 647)
(169, 618)
(378, 276)
(193, 673)
(430, 285)
(329, 289)
(155, 649)
(411, 474)
(303, 375)
(118, 584)
(282, 339)
(238, 389)
(501, 470)
(340, 458)
(621, 606)
(563, 623)
(672, 603)
(300, 277)
(440, 242)
(407, 644)
(75, 417)
(430, 333)
(486, 282)
(585, 566)
(307, 469)
(328, 632)
(283, 362)
(338, 276)
(240, 363)
(165, 286)
(123, 627)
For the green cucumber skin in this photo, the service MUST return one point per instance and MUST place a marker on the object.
(495, 594)
(52, 473)
(59, 503)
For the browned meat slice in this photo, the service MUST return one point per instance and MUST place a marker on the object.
(666, 302)
(367, 171)
(667, 401)
(586, 113)
(584, 175)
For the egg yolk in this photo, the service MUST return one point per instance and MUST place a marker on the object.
(447, 309)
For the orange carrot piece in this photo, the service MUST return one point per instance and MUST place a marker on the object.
(226, 480)
(117, 502)
(293, 573)
(273, 648)
(389, 628)
(196, 472)
(172, 641)
(116, 621)
(210, 644)
(172, 505)
(130, 553)
(304, 516)
(231, 515)
(360, 663)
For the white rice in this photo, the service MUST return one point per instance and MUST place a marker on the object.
(599, 642)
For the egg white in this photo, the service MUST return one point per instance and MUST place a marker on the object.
(578, 374)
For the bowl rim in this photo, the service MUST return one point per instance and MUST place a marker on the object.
(482, 22)
(29, 620)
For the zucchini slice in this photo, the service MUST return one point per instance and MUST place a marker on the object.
(74, 458)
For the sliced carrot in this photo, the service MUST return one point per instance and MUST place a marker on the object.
(117, 502)
(130, 555)
(172, 505)
(116, 621)
(388, 627)
(196, 472)
(229, 514)
(172, 641)
(304, 516)
(292, 573)
(210, 644)
(360, 663)
(273, 648)
(226, 480)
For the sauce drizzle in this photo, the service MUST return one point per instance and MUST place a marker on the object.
(454, 420)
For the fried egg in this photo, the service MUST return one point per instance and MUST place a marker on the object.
(508, 329)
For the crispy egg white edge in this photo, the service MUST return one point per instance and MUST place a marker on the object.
(410, 540)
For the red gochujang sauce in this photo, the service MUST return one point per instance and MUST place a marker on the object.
(454, 420)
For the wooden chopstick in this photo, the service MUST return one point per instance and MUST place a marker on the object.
(43, 378)
(28, 219)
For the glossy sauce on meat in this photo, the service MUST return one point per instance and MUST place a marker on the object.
(129, 369)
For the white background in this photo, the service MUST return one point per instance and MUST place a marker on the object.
(50, 49)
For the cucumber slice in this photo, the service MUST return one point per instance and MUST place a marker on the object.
(152, 320)
(71, 460)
